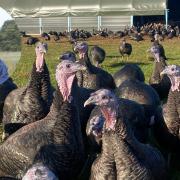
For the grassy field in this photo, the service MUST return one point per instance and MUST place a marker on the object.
(112, 62)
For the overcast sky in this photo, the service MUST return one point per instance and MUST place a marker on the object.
(3, 16)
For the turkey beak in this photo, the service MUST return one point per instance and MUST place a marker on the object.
(43, 51)
(90, 101)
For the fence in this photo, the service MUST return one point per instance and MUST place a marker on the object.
(39, 25)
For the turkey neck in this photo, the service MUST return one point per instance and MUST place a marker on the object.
(118, 126)
(46, 91)
(86, 61)
(67, 128)
(59, 100)
(54, 112)
(175, 83)
(110, 114)
(84, 77)
(158, 68)
(126, 148)
(34, 85)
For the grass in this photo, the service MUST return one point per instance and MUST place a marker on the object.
(112, 62)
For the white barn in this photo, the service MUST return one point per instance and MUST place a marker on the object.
(38, 16)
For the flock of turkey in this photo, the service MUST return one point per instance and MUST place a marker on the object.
(94, 125)
(155, 31)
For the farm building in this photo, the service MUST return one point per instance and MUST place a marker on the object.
(35, 17)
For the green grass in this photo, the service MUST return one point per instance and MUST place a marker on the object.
(112, 62)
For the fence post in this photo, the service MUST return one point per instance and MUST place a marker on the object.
(99, 23)
(132, 21)
(69, 23)
(40, 25)
(166, 17)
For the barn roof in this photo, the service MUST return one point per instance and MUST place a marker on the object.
(57, 8)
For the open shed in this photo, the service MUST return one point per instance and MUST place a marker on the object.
(36, 16)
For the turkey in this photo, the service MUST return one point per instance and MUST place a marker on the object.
(128, 71)
(122, 156)
(167, 141)
(46, 36)
(55, 141)
(68, 55)
(83, 93)
(158, 37)
(32, 40)
(160, 84)
(136, 37)
(171, 34)
(23, 34)
(129, 110)
(141, 93)
(125, 48)
(55, 35)
(39, 171)
(30, 103)
(172, 109)
(97, 55)
(157, 50)
(177, 31)
(163, 136)
(94, 129)
(120, 34)
(6, 86)
(93, 78)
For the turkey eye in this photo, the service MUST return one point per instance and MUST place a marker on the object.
(68, 65)
(172, 69)
(104, 97)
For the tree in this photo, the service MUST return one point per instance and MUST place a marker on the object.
(10, 39)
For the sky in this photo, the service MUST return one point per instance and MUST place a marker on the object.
(3, 16)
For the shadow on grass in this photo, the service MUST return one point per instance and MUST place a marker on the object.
(125, 63)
